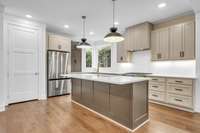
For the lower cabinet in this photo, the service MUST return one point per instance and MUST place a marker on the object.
(101, 97)
(76, 90)
(87, 93)
(177, 92)
(125, 104)
(120, 100)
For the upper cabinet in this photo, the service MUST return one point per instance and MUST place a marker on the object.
(160, 44)
(182, 41)
(138, 37)
(57, 42)
(176, 42)
(123, 55)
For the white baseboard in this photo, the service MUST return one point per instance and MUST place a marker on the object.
(2, 108)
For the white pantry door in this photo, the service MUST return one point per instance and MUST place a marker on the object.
(23, 64)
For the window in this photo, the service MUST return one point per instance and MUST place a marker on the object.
(89, 58)
(105, 57)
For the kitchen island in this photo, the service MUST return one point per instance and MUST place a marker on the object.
(120, 99)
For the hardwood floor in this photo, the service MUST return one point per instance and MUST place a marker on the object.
(59, 115)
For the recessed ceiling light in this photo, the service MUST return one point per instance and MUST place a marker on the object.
(91, 33)
(28, 16)
(116, 23)
(162, 5)
(66, 26)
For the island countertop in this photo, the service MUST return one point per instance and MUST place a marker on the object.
(112, 79)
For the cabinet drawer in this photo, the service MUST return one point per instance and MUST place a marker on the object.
(180, 89)
(156, 79)
(179, 81)
(180, 100)
(158, 96)
(157, 87)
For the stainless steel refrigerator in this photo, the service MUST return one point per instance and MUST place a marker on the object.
(57, 65)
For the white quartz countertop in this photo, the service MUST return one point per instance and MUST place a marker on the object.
(112, 79)
(172, 76)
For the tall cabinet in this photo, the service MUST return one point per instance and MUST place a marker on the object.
(76, 58)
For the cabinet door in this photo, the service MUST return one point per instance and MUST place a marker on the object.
(59, 43)
(76, 61)
(121, 57)
(120, 101)
(101, 97)
(176, 41)
(129, 41)
(164, 44)
(189, 40)
(155, 45)
(87, 93)
(76, 89)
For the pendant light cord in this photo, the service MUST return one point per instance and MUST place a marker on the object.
(113, 13)
(83, 17)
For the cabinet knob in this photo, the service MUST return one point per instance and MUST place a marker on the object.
(182, 53)
(59, 46)
(121, 58)
(159, 55)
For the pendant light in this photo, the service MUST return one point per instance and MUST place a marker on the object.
(113, 36)
(83, 44)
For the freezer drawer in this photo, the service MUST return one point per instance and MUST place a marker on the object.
(59, 87)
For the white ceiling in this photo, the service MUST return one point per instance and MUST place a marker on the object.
(56, 13)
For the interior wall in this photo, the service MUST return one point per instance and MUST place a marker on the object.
(197, 93)
(9, 19)
(2, 90)
(141, 62)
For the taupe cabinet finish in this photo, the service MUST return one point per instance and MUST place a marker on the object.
(123, 55)
(77, 90)
(126, 104)
(76, 59)
(176, 42)
(139, 36)
(182, 41)
(177, 92)
(160, 44)
(101, 97)
(56, 42)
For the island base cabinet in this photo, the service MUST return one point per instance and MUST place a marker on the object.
(120, 100)
(139, 105)
(101, 98)
(76, 90)
(125, 104)
(87, 93)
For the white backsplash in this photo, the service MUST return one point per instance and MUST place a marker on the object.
(141, 62)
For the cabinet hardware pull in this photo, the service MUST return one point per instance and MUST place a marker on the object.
(121, 58)
(178, 100)
(179, 81)
(154, 95)
(159, 55)
(178, 89)
(155, 79)
(182, 54)
(155, 86)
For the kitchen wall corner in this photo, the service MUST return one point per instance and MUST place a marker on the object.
(197, 93)
(2, 88)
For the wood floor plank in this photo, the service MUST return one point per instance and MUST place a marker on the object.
(60, 115)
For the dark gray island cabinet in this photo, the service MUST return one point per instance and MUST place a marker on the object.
(126, 104)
